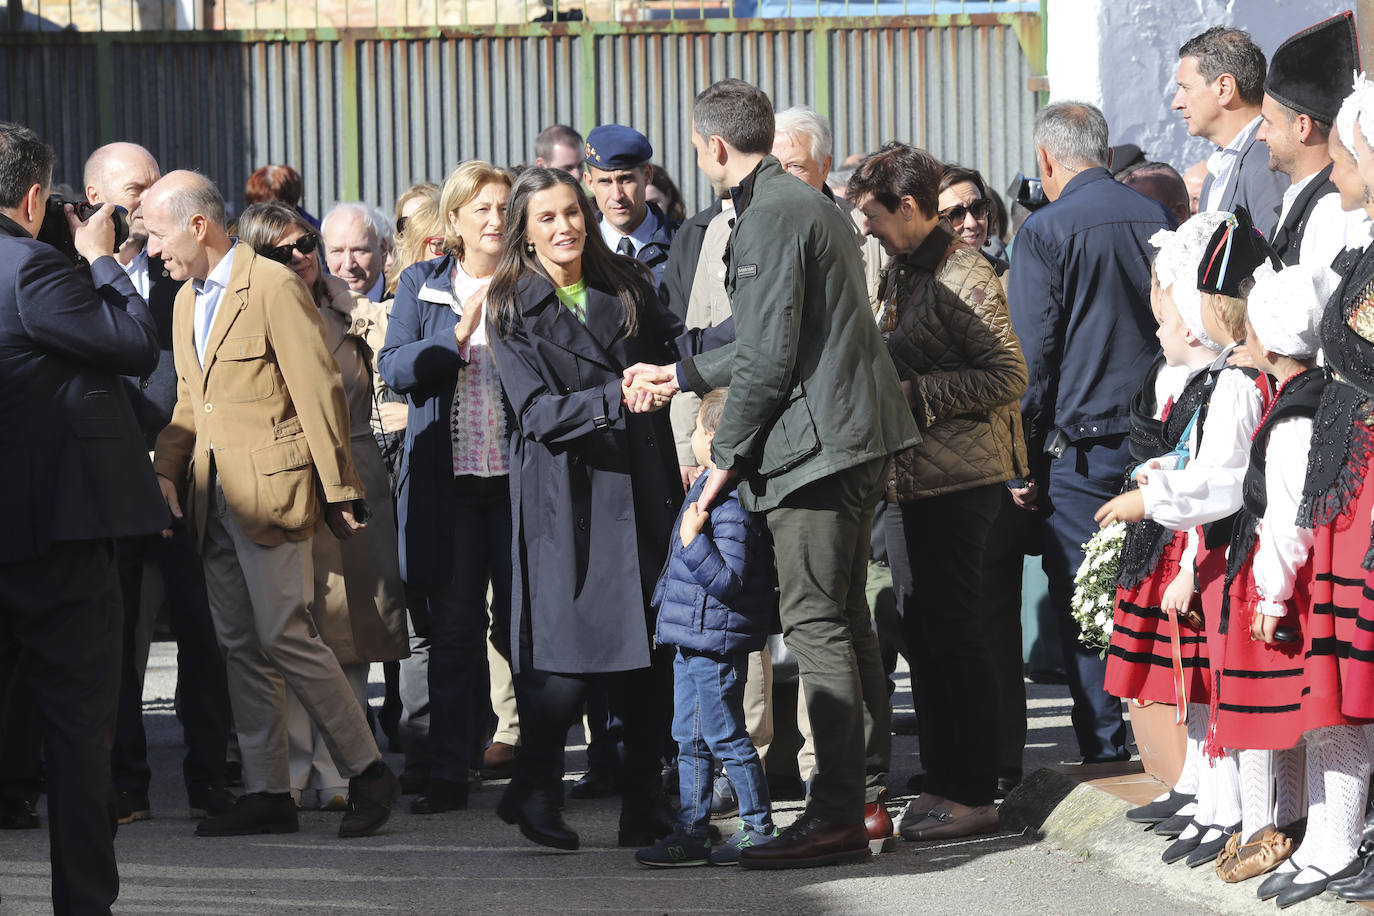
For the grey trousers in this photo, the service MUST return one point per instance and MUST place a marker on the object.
(260, 601)
(821, 536)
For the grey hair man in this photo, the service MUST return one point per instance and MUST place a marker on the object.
(1079, 301)
(1220, 87)
(356, 242)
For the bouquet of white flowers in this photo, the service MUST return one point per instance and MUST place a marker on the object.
(1094, 588)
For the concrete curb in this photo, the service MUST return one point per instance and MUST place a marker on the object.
(1082, 819)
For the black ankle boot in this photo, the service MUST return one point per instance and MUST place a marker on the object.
(539, 814)
(441, 795)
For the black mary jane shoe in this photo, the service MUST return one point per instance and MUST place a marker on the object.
(1180, 849)
(1359, 887)
(1296, 893)
(1275, 884)
(1172, 827)
(1160, 810)
(1208, 851)
(539, 815)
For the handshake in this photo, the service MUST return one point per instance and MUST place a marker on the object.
(646, 388)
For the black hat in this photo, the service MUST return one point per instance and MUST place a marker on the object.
(1310, 72)
(614, 146)
(1232, 254)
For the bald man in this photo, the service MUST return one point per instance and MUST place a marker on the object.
(121, 174)
(257, 451)
(1193, 178)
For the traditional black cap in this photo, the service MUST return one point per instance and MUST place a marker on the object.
(1310, 72)
(1232, 254)
(615, 146)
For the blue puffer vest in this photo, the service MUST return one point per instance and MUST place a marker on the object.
(719, 593)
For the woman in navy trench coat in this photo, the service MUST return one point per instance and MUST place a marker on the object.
(594, 491)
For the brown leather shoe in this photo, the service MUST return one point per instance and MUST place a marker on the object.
(943, 824)
(878, 823)
(499, 761)
(1263, 852)
(808, 843)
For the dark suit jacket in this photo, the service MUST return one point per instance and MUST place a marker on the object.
(594, 487)
(155, 395)
(675, 286)
(74, 463)
(1287, 238)
(1252, 186)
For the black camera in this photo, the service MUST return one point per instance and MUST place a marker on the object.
(58, 234)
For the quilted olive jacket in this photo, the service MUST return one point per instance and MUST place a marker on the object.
(944, 315)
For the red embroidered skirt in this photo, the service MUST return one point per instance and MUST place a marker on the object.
(1340, 591)
(1140, 655)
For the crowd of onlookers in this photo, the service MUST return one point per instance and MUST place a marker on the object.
(546, 446)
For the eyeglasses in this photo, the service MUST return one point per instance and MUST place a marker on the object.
(435, 245)
(956, 213)
(282, 253)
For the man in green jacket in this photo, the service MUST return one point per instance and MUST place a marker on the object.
(815, 412)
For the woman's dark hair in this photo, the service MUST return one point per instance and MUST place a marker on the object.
(896, 171)
(260, 225)
(274, 182)
(601, 267)
(675, 210)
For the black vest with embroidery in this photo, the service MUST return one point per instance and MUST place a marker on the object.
(1300, 397)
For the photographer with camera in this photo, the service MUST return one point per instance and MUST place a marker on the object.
(78, 477)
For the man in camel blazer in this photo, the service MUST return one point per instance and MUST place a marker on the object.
(258, 449)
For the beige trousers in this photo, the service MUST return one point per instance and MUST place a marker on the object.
(260, 601)
(758, 713)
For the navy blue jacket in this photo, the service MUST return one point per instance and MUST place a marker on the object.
(654, 254)
(718, 593)
(72, 457)
(1080, 305)
(154, 396)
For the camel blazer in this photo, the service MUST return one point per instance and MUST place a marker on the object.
(270, 400)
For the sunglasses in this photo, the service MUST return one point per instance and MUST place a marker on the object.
(956, 213)
(401, 224)
(282, 253)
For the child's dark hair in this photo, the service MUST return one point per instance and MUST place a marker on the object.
(712, 406)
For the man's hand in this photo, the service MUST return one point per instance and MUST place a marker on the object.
(472, 314)
(341, 520)
(1128, 507)
(690, 473)
(719, 483)
(95, 237)
(169, 496)
(693, 520)
(1025, 497)
(642, 396)
(393, 415)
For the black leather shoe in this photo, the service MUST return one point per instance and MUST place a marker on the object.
(413, 782)
(441, 796)
(1180, 849)
(1172, 827)
(1296, 893)
(209, 801)
(1208, 852)
(233, 774)
(1161, 810)
(370, 796)
(539, 815)
(645, 824)
(133, 806)
(1275, 883)
(597, 784)
(1358, 887)
(18, 814)
(1367, 838)
(254, 813)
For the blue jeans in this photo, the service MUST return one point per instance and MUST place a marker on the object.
(708, 719)
(1089, 473)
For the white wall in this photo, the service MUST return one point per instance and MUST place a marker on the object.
(1122, 55)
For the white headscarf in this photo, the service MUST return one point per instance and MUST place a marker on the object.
(1358, 106)
(1176, 264)
(1285, 309)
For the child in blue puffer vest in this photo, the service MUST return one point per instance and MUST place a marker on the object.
(716, 600)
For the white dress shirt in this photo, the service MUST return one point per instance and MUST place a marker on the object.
(1224, 161)
(209, 292)
(137, 269)
(1283, 543)
(1291, 194)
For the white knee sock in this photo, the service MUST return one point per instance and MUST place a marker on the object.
(1256, 791)
(1337, 782)
(1290, 785)
(1193, 756)
(1226, 798)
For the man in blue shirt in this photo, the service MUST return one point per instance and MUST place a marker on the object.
(1080, 304)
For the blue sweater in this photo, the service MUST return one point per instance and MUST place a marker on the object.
(718, 593)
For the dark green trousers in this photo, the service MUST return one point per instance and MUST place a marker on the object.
(821, 537)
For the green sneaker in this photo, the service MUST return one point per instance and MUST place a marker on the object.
(742, 839)
(677, 850)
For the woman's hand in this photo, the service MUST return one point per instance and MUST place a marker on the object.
(1142, 473)
(1128, 507)
(1262, 627)
(1241, 357)
(393, 416)
(1025, 497)
(1179, 594)
(472, 314)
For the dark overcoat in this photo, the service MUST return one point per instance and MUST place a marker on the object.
(594, 488)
